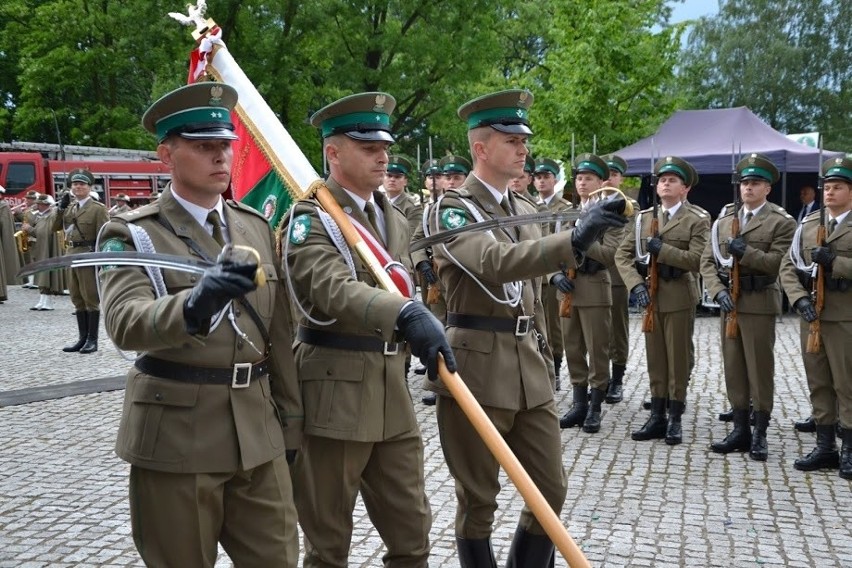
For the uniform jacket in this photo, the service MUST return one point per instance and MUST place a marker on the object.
(614, 274)
(838, 304)
(81, 224)
(349, 395)
(411, 208)
(175, 426)
(7, 243)
(554, 206)
(684, 238)
(768, 235)
(500, 369)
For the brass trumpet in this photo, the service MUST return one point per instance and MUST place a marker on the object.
(22, 239)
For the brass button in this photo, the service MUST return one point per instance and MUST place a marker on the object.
(158, 396)
(237, 312)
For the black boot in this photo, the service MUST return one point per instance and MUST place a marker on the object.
(674, 431)
(646, 404)
(846, 455)
(726, 416)
(806, 425)
(759, 450)
(531, 551)
(577, 414)
(91, 344)
(739, 439)
(655, 427)
(429, 399)
(475, 553)
(557, 364)
(825, 455)
(83, 330)
(614, 391)
(593, 415)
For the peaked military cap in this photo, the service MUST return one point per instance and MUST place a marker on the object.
(44, 198)
(31, 195)
(543, 165)
(454, 165)
(430, 167)
(81, 175)
(674, 165)
(692, 172)
(197, 112)
(838, 168)
(122, 197)
(591, 163)
(505, 111)
(364, 116)
(615, 162)
(399, 165)
(529, 164)
(757, 166)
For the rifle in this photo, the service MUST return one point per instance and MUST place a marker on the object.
(734, 274)
(652, 278)
(818, 291)
(433, 293)
(571, 273)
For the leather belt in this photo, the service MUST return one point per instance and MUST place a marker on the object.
(346, 342)
(520, 326)
(239, 376)
(81, 243)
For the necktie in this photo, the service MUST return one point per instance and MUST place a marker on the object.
(213, 219)
(748, 217)
(665, 218)
(370, 210)
(505, 205)
(832, 225)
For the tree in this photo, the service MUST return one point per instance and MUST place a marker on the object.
(787, 60)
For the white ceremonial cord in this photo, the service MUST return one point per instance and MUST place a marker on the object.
(642, 258)
(796, 254)
(286, 266)
(717, 252)
(143, 243)
(238, 331)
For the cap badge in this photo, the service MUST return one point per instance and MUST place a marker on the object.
(669, 159)
(216, 95)
(520, 113)
(751, 159)
(838, 160)
(380, 103)
(522, 98)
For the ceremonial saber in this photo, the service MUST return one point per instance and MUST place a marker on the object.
(295, 168)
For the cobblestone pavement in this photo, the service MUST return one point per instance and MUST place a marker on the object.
(63, 491)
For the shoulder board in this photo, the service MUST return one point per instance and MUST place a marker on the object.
(648, 210)
(458, 192)
(234, 204)
(727, 210)
(570, 205)
(781, 211)
(99, 203)
(812, 216)
(148, 210)
(697, 210)
(523, 197)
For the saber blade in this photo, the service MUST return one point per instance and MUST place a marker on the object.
(126, 258)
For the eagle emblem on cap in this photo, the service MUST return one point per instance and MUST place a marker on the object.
(522, 98)
(216, 95)
(380, 102)
(751, 159)
(838, 160)
(669, 159)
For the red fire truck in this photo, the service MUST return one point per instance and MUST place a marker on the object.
(43, 168)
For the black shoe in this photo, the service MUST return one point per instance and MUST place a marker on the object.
(531, 551)
(806, 425)
(726, 416)
(579, 409)
(91, 345)
(615, 389)
(82, 329)
(759, 450)
(421, 370)
(739, 439)
(825, 455)
(592, 424)
(557, 364)
(429, 399)
(846, 455)
(674, 430)
(475, 553)
(655, 427)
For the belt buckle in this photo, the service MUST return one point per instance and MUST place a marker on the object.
(390, 348)
(242, 376)
(522, 325)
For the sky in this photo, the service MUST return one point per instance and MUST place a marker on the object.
(692, 9)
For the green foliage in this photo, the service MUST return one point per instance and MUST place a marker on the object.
(787, 60)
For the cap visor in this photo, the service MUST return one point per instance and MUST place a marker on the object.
(216, 133)
(371, 136)
(749, 177)
(512, 129)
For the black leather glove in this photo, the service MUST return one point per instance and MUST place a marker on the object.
(424, 267)
(737, 247)
(65, 200)
(562, 282)
(806, 309)
(426, 336)
(725, 301)
(823, 256)
(655, 245)
(641, 294)
(290, 456)
(220, 284)
(599, 217)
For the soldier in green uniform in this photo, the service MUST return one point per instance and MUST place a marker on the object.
(361, 433)
(544, 178)
(25, 215)
(212, 404)
(682, 235)
(9, 261)
(396, 188)
(620, 330)
(766, 231)
(586, 330)
(829, 371)
(494, 318)
(122, 205)
(521, 184)
(81, 222)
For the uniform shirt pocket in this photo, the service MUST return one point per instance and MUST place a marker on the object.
(332, 388)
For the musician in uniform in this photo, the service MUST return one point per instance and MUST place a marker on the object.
(494, 323)
(764, 236)
(361, 432)
(9, 261)
(212, 406)
(81, 222)
(829, 370)
(48, 244)
(122, 205)
(619, 329)
(677, 247)
(25, 215)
